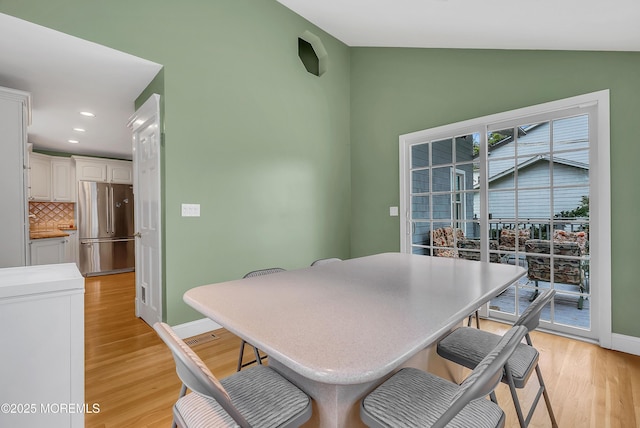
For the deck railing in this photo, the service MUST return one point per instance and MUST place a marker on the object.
(538, 228)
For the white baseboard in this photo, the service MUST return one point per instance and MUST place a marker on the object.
(623, 343)
(195, 328)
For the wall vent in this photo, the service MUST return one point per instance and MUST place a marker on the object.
(312, 53)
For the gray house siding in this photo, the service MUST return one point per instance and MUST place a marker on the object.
(533, 202)
(558, 149)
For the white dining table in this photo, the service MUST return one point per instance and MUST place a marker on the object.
(340, 329)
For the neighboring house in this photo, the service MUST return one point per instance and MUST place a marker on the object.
(550, 177)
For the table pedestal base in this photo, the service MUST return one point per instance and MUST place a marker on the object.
(336, 406)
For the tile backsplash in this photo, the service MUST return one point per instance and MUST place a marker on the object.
(51, 215)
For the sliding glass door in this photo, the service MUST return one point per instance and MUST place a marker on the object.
(515, 191)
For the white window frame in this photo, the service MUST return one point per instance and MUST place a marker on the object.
(600, 187)
(455, 173)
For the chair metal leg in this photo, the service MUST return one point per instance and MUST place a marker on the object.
(542, 391)
(240, 356)
(257, 354)
(477, 320)
(183, 391)
(547, 400)
(514, 397)
(258, 359)
(535, 293)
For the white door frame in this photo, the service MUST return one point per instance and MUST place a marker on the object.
(145, 126)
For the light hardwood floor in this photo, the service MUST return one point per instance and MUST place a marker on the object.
(130, 374)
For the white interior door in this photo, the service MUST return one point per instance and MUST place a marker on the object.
(145, 124)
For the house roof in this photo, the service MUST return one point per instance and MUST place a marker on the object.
(535, 159)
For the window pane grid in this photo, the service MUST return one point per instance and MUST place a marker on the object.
(536, 180)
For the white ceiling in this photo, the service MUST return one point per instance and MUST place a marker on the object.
(66, 75)
(610, 25)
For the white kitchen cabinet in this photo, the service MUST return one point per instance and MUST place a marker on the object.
(42, 330)
(62, 180)
(48, 250)
(120, 172)
(51, 178)
(90, 169)
(14, 118)
(103, 170)
(71, 247)
(39, 177)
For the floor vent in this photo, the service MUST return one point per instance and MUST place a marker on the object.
(200, 339)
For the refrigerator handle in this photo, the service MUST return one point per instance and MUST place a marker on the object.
(108, 208)
(112, 226)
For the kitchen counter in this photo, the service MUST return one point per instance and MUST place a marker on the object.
(41, 234)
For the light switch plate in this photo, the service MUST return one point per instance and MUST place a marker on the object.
(393, 211)
(190, 210)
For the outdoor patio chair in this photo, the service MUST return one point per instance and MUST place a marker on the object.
(507, 244)
(256, 351)
(468, 346)
(414, 398)
(565, 271)
(258, 397)
(444, 237)
(469, 249)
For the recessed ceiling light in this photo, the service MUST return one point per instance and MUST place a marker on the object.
(87, 113)
(79, 129)
(73, 141)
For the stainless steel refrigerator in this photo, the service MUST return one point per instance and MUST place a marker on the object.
(105, 228)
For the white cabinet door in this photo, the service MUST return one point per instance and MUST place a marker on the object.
(14, 110)
(39, 177)
(62, 189)
(48, 251)
(91, 170)
(71, 247)
(103, 170)
(42, 329)
(120, 172)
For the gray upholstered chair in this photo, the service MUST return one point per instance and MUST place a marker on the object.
(468, 346)
(258, 358)
(257, 397)
(414, 398)
(321, 262)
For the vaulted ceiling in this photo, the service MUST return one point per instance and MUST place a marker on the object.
(62, 74)
(488, 24)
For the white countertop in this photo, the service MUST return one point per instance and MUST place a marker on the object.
(25, 280)
(353, 321)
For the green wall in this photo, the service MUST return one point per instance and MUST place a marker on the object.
(397, 91)
(259, 143)
(289, 167)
